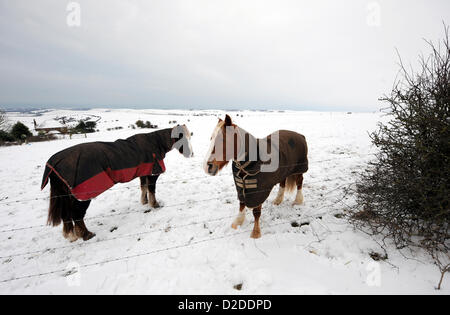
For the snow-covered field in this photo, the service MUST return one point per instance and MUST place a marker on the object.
(187, 246)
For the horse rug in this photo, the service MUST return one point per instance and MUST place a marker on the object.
(89, 169)
(253, 185)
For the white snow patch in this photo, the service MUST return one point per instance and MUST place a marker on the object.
(187, 246)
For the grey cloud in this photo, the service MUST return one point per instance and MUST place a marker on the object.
(209, 53)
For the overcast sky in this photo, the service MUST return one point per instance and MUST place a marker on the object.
(230, 54)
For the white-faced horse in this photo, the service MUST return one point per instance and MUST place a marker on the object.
(258, 165)
(84, 171)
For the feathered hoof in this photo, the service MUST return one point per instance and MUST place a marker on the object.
(277, 201)
(144, 201)
(83, 232)
(87, 236)
(155, 205)
(236, 225)
(71, 237)
(255, 234)
(298, 199)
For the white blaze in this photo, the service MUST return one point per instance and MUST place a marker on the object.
(211, 146)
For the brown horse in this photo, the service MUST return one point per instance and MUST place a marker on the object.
(258, 165)
(84, 171)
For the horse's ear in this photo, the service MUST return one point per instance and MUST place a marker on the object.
(220, 120)
(228, 121)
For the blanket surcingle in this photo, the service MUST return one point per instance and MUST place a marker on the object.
(89, 169)
(253, 185)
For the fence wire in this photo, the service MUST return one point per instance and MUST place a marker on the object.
(128, 257)
(9, 202)
(140, 211)
(190, 243)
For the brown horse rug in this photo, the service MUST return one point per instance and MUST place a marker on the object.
(89, 169)
(254, 185)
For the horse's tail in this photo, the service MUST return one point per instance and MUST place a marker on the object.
(291, 183)
(59, 201)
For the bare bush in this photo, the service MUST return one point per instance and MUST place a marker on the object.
(404, 193)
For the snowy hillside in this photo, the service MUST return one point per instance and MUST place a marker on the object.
(187, 246)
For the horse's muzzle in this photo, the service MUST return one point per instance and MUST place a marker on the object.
(212, 169)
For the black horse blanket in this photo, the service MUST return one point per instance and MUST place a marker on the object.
(253, 185)
(89, 169)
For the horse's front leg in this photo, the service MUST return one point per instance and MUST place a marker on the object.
(256, 233)
(240, 218)
(151, 191)
(144, 189)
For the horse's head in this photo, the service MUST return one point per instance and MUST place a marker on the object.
(223, 147)
(182, 140)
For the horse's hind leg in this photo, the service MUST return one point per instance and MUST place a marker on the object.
(151, 191)
(61, 207)
(66, 216)
(144, 189)
(256, 233)
(240, 218)
(280, 196)
(82, 231)
(79, 211)
(68, 231)
(299, 196)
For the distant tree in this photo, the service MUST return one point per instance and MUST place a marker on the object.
(20, 132)
(140, 124)
(86, 127)
(91, 125)
(81, 126)
(5, 136)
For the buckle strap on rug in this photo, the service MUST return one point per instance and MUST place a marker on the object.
(243, 182)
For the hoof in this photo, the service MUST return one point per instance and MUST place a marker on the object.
(298, 199)
(155, 205)
(255, 234)
(238, 222)
(71, 237)
(235, 225)
(88, 236)
(277, 202)
(144, 201)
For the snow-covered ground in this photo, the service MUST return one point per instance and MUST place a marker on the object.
(187, 246)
